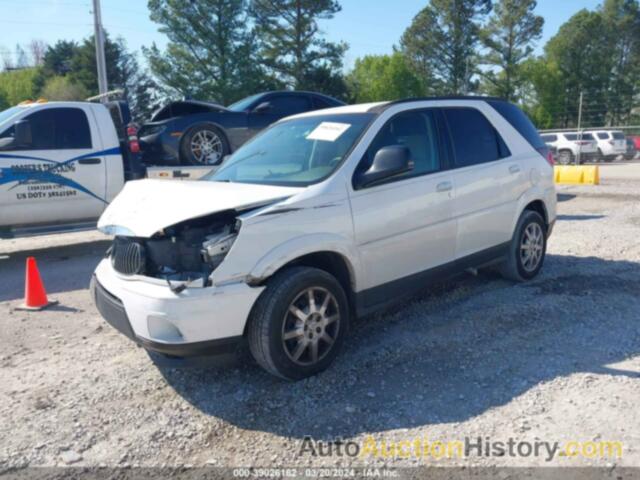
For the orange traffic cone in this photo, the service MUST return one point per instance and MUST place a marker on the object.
(35, 296)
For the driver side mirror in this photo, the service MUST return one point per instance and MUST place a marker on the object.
(22, 136)
(389, 161)
(264, 107)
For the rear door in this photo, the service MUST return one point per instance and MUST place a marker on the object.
(487, 178)
(60, 176)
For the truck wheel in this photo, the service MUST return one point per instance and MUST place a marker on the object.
(299, 323)
(527, 250)
(203, 145)
(565, 157)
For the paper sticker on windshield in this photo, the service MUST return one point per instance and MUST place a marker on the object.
(328, 131)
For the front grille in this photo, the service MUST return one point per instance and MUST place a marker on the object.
(128, 256)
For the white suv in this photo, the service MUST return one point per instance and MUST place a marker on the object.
(611, 144)
(571, 144)
(322, 217)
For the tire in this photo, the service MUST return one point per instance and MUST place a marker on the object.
(213, 146)
(275, 313)
(565, 157)
(515, 267)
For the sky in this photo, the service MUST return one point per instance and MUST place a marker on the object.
(368, 26)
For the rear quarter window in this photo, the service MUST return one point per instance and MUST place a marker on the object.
(603, 136)
(475, 140)
(519, 121)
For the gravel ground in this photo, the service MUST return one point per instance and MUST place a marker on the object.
(556, 359)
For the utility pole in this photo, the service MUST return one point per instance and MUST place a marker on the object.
(579, 130)
(100, 56)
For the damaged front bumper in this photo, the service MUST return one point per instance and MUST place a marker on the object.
(197, 321)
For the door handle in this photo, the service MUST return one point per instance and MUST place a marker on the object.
(444, 187)
(514, 169)
(90, 161)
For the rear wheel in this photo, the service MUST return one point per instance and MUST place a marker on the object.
(299, 323)
(565, 157)
(528, 248)
(203, 145)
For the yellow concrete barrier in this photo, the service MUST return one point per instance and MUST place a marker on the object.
(577, 174)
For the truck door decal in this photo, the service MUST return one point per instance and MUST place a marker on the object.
(38, 173)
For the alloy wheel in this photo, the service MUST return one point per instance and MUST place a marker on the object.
(206, 147)
(531, 247)
(311, 326)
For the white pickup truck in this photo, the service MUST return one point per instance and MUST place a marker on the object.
(62, 163)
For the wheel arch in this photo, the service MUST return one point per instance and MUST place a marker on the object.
(539, 207)
(333, 262)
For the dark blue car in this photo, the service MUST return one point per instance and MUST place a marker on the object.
(192, 132)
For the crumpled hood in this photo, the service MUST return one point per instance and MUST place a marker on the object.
(144, 207)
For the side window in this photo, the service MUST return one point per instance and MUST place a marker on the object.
(417, 131)
(474, 139)
(319, 103)
(549, 138)
(603, 136)
(289, 105)
(59, 128)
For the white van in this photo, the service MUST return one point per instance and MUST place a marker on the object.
(321, 217)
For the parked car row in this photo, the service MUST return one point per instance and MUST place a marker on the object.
(593, 145)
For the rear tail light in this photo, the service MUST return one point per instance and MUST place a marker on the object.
(547, 154)
(132, 138)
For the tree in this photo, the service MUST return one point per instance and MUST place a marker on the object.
(56, 62)
(292, 46)
(508, 37)
(63, 89)
(383, 77)
(441, 43)
(621, 19)
(542, 91)
(37, 49)
(17, 86)
(212, 53)
(4, 101)
(581, 55)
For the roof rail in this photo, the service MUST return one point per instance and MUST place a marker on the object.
(380, 108)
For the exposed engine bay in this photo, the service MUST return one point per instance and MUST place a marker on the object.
(188, 251)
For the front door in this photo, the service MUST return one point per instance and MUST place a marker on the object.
(404, 228)
(57, 177)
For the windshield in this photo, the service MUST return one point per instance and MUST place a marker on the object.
(9, 112)
(296, 152)
(243, 104)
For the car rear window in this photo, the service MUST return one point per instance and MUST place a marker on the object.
(519, 120)
(549, 138)
(618, 135)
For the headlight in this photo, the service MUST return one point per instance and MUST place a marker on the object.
(216, 247)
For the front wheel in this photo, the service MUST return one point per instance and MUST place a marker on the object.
(527, 249)
(203, 145)
(299, 322)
